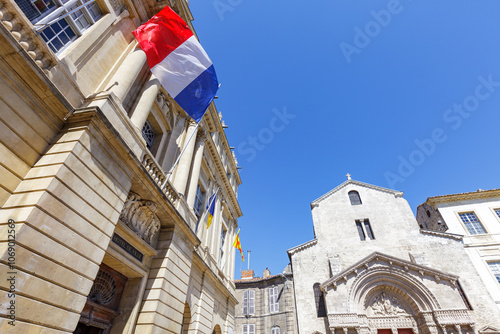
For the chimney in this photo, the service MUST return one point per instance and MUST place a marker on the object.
(247, 274)
(267, 273)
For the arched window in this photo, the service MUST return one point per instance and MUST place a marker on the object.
(320, 301)
(354, 197)
(275, 330)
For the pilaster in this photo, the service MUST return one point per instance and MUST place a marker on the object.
(65, 211)
(167, 287)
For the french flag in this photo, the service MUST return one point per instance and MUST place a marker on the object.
(178, 61)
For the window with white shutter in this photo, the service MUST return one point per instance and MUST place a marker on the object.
(248, 329)
(248, 302)
(273, 300)
(245, 304)
(251, 302)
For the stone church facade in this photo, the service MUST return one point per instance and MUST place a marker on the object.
(98, 233)
(370, 269)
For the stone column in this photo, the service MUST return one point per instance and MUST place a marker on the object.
(459, 329)
(184, 166)
(146, 101)
(174, 142)
(195, 174)
(127, 73)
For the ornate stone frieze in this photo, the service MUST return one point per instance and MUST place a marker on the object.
(140, 216)
(384, 305)
(453, 317)
(21, 30)
(390, 322)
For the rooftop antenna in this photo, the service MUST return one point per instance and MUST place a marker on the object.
(248, 257)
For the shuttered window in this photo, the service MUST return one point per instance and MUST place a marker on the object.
(248, 329)
(274, 305)
(248, 302)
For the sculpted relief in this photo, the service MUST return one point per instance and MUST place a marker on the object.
(140, 216)
(386, 305)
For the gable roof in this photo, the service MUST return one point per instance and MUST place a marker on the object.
(358, 183)
(300, 247)
(391, 261)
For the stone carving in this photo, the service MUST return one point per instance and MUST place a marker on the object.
(163, 102)
(387, 305)
(118, 6)
(140, 216)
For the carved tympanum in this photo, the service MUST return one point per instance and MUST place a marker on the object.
(140, 216)
(387, 305)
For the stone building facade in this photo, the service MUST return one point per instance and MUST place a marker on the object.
(266, 304)
(476, 217)
(98, 233)
(377, 272)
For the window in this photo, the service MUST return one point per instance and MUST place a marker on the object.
(248, 302)
(360, 230)
(275, 330)
(249, 329)
(274, 305)
(148, 133)
(364, 229)
(471, 222)
(354, 197)
(320, 301)
(221, 247)
(198, 201)
(368, 229)
(60, 32)
(495, 269)
(497, 211)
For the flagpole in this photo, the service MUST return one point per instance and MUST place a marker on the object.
(171, 171)
(204, 213)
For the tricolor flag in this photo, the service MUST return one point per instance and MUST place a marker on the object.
(237, 244)
(178, 61)
(211, 209)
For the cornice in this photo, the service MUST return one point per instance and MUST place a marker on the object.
(458, 237)
(480, 194)
(390, 261)
(301, 247)
(358, 183)
(228, 191)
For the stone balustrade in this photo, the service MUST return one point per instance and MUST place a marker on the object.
(22, 30)
(158, 176)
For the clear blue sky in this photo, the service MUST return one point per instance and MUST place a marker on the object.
(379, 89)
